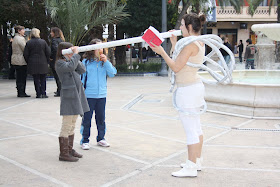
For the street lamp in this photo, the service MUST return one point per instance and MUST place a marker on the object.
(163, 72)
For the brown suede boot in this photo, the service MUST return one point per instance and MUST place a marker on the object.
(71, 150)
(64, 151)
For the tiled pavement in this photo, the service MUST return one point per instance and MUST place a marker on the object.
(147, 142)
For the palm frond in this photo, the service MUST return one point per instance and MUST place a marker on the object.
(72, 16)
(237, 4)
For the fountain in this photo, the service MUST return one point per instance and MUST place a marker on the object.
(253, 93)
(265, 57)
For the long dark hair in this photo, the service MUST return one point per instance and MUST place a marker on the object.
(61, 46)
(19, 28)
(58, 33)
(91, 54)
(195, 20)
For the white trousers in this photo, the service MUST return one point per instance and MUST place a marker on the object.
(192, 125)
(189, 99)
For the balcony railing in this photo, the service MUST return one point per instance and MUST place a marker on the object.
(228, 13)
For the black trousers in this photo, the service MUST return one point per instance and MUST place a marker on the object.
(58, 84)
(21, 74)
(12, 72)
(40, 84)
(240, 57)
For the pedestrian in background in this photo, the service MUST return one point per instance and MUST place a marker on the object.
(18, 61)
(72, 100)
(224, 53)
(240, 48)
(249, 56)
(57, 37)
(37, 54)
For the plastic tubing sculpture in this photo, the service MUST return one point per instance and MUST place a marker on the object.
(213, 41)
(222, 77)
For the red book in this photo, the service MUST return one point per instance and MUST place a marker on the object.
(152, 35)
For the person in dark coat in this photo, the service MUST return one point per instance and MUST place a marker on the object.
(57, 37)
(37, 54)
(73, 101)
(240, 48)
(224, 53)
(249, 56)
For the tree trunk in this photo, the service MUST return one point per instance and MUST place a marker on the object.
(5, 63)
(96, 32)
(182, 13)
(120, 50)
(277, 52)
(1, 49)
(111, 38)
(178, 22)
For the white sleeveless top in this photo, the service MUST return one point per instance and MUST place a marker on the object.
(188, 75)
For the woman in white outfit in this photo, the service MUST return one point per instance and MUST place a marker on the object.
(190, 91)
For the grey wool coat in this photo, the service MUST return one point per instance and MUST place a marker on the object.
(72, 96)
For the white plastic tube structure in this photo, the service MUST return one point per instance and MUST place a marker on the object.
(119, 42)
(271, 30)
(222, 77)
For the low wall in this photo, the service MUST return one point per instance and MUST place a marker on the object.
(246, 99)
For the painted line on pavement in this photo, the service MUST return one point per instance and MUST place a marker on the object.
(120, 179)
(54, 135)
(116, 154)
(244, 169)
(222, 168)
(240, 146)
(17, 137)
(18, 124)
(17, 105)
(153, 115)
(150, 134)
(227, 131)
(34, 171)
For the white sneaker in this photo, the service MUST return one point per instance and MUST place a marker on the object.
(198, 163)
(103, 143)
(85, 146)
(189, 170)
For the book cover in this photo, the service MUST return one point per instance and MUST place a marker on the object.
(152, 35)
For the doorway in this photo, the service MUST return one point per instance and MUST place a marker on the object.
(231, 34)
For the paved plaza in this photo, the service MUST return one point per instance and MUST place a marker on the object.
(147, 142)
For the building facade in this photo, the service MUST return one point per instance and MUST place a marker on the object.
(237, 26)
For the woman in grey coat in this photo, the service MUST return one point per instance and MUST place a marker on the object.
(36, 54)
(73, 101)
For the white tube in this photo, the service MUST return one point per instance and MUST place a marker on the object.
(271, 30)
(119, 42)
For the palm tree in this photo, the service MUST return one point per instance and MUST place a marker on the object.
(254, 4)
(77, 17)
(197, 6)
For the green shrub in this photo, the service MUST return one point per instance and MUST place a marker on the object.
(153, 67)
(122, 68)
(139, 68)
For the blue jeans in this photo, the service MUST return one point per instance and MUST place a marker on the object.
(227, 59)
(97, 105)
(250, 63)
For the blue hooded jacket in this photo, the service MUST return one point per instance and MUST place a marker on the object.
(96, 85)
